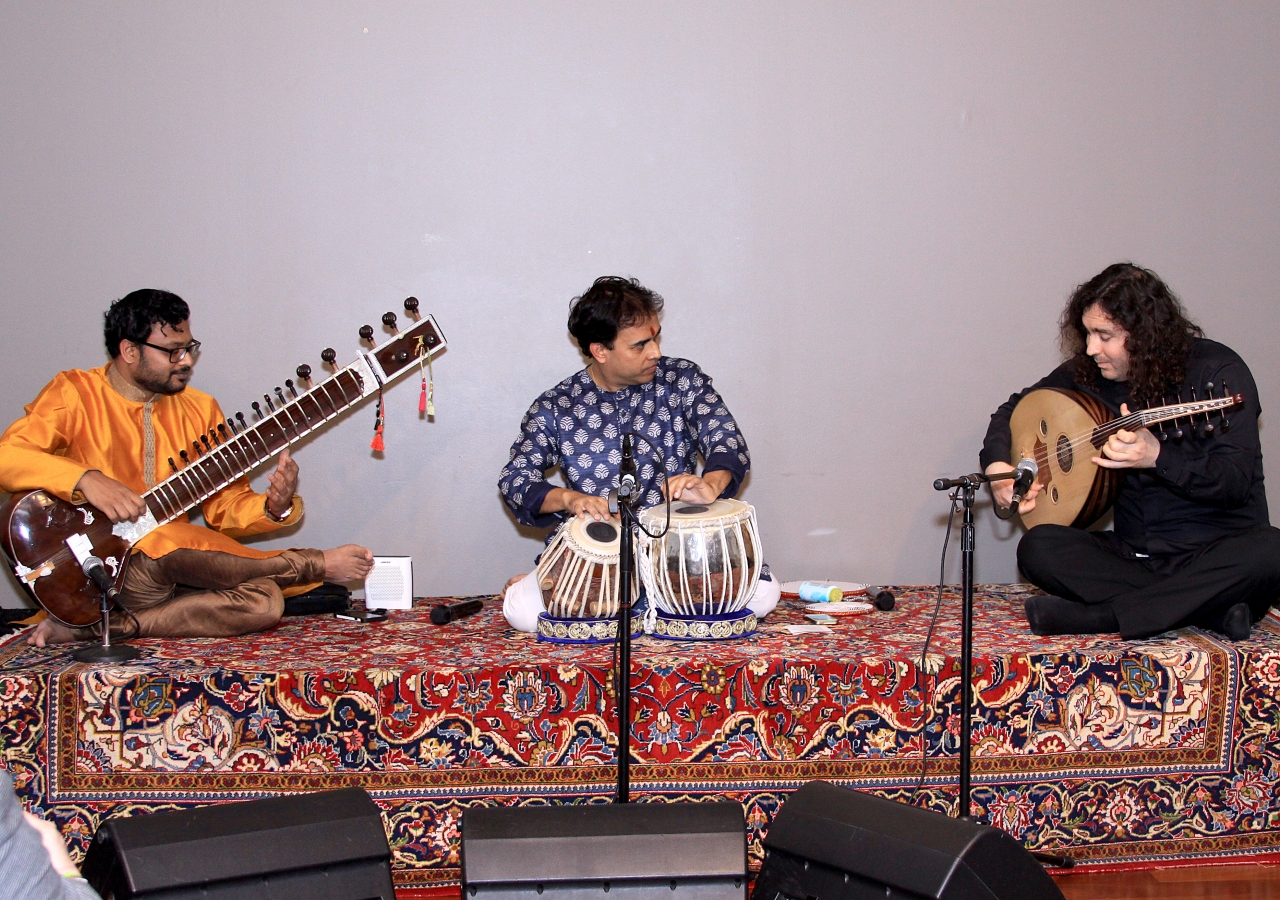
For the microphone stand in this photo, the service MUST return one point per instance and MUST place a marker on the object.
(106, 652)
(626, 498)
(965, 488)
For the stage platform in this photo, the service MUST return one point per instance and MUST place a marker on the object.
(1126, 753)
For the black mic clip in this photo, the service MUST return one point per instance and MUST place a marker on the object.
(628, 484)
(1027, 471)
(97, 573)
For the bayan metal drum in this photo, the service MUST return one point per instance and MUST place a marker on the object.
(703, 572)
(578, 577)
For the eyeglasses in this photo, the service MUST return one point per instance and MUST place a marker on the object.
(176, 354)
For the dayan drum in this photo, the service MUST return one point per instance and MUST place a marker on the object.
(702, 573)
(578, 577)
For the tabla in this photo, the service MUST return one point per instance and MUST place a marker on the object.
(578, 577)
(703, 572)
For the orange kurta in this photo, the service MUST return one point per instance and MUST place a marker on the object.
(81, 422)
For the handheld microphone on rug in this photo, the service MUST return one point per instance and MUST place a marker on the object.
(1027, 471)
(444, 613)
(881, 597)
(97, 572)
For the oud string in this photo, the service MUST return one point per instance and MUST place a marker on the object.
(1138, 418)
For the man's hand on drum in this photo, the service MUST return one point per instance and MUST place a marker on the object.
(1003, 490)
(1129, 449)
(706, 488)
(576, 503)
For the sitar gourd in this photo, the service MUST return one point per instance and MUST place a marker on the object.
(1062, 430)
(46, 538)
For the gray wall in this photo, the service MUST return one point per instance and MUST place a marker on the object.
(843, 204)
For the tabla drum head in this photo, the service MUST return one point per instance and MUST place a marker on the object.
(602, 538)
(682, 512)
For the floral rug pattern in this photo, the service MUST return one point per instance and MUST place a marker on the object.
(1123, 752)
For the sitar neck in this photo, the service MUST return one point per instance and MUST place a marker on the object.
(242, 451)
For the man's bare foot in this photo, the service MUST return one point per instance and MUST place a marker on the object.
(512, 580)
(51, 632)
(350, 562)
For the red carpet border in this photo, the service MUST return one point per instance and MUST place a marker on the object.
(1143, 752)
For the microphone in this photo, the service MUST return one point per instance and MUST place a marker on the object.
(628, 483)
(444, 613)
(1027, 471)
(881, 597)
(97, 573)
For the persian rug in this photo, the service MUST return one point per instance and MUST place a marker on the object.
(1134, 753)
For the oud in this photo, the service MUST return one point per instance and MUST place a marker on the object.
(46, 538)
(1062, 430)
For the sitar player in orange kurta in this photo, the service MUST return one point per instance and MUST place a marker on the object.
(105, 436)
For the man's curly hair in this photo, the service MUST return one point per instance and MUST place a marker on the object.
(1159, 332)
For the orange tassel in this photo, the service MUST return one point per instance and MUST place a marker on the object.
(377, 444)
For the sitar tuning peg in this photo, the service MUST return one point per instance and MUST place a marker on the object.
(196, 444)
(280, 396)
(222, 430)
(389, 319)
(173, 465)
(204, 439)
(213, 436)
(366, 333)
(329, 355)
(241, 421)
(411, 306)
(186, 460)
(303, 372)
(288, 382)
(257, 409)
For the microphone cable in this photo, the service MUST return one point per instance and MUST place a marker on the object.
(926, 691)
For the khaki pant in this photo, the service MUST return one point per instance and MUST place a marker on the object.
(206, 593)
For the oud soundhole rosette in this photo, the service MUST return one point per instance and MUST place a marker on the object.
(1066, 457)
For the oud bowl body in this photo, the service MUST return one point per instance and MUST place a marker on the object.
(1055, 427)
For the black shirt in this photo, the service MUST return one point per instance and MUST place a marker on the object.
(1202, 487)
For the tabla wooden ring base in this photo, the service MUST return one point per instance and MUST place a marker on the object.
(720, 627)
(561, 630)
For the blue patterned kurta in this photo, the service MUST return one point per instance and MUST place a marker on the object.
(578, 426)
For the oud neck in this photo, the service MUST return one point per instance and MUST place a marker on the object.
(244, 451)
(1148, 417)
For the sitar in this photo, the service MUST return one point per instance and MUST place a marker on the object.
(46, 539)
(1063, 429)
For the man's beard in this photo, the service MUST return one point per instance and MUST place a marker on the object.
(150, 382)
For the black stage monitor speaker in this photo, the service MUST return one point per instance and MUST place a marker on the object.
(637, 851)
(831, 843)
(323, 846)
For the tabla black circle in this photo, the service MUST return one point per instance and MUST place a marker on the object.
(602, 532)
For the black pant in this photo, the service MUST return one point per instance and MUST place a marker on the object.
(1150, 595)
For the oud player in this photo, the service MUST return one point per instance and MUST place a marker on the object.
(627, 385)
(105, 436)
(1192, 543)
